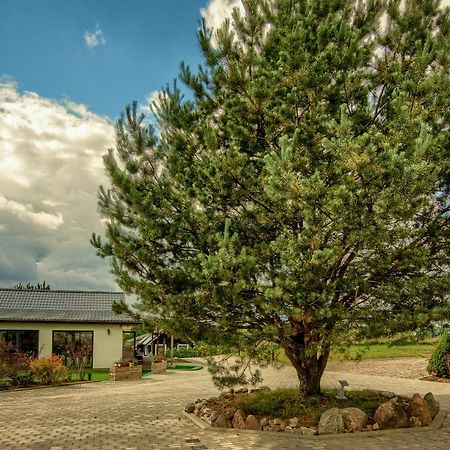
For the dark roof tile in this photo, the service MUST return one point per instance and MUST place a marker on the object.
(60, 306)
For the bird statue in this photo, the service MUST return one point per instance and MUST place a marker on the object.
(340, 392)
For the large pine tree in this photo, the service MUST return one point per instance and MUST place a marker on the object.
(301, 194)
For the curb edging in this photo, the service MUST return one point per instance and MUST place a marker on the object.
(434, 425)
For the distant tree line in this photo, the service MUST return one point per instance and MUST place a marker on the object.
(39, 286)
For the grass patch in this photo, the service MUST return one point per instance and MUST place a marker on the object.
(384, 350)
(100, 376)
(187, 367)
(95, 375)
(286, 403)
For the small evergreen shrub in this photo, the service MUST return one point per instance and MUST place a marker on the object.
(437, 365)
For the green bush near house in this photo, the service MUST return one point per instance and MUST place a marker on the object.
(201, 349)
(5, 384)
(22, 378)
(437, 365)
(49, 370)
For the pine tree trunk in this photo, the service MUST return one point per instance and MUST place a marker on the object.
(309, 365)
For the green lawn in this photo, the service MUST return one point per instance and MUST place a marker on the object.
(187, 367)
(103, 374)
(383, 351)
(96, 375)
(380, 351)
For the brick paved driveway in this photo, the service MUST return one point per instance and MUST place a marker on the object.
(146, 415)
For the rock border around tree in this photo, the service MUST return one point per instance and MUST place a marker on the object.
(415, 414)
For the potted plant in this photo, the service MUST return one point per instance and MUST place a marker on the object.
(125, 370)
(159, 365)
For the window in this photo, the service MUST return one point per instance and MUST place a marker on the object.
(74, 345)
(26, 341)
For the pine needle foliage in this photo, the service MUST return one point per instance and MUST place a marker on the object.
(300, 195)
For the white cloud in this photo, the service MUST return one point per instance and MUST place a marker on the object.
(50, 170)
(51, 203)
(95, 38)
(26, 213)
(153, 98)
(218, 10)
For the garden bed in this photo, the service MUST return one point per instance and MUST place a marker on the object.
(283, 410)
(125, 373)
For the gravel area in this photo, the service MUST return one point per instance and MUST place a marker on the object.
(412, 368)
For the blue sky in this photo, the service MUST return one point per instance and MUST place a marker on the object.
(43, 47)
(68, 68)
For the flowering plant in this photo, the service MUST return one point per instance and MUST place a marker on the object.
(124, 364)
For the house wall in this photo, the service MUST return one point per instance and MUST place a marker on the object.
(107, 348)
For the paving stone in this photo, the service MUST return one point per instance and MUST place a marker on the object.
(147, 416)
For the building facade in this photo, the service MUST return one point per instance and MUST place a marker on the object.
(67, 323)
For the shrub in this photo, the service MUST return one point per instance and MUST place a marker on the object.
(5, 383)
(12, 360)
(50, 370)
(14, 367)
(22, 378)
(201, 349)
(438, 364)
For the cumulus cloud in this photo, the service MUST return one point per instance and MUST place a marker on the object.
(50, 170)
(218, 10)
(27, 214)
(95, 38)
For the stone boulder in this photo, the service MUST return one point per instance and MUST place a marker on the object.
(354, 419)
(199, 404)
(230, 413)
(307, 431)
(214, 416)
(264, 421)
(294, 422)
(433, 405)
(391, 415)
(189, 407)
(415, 422)
(418, 407)
(239, 419)
(222, 421)
(252, 423)
(277, 424)
(331, 422)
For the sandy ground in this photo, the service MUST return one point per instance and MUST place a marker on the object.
(411, 368)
